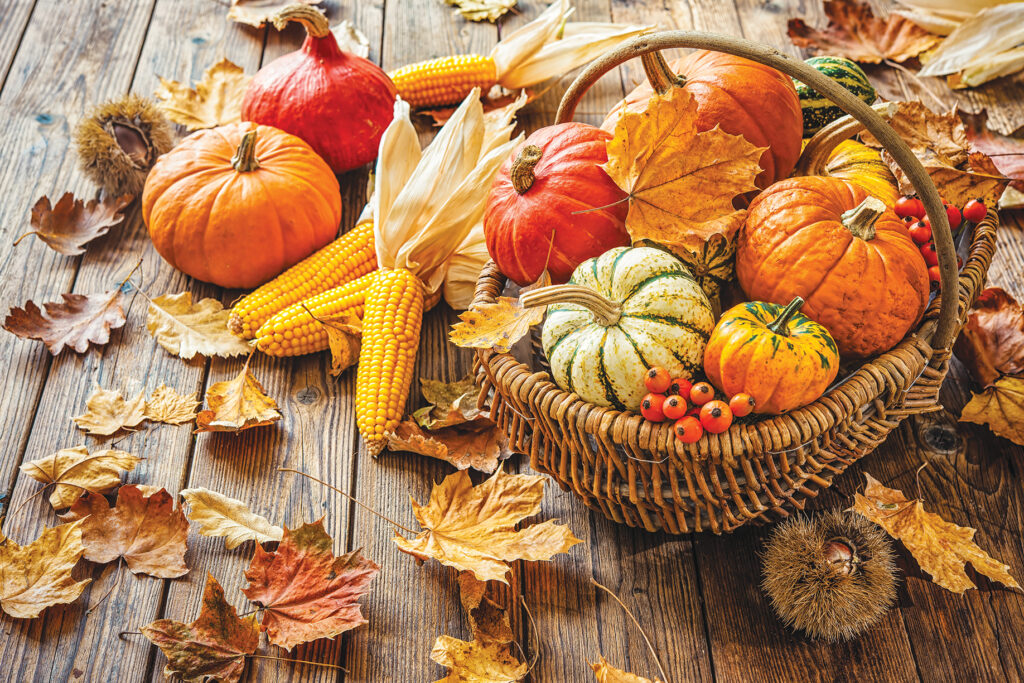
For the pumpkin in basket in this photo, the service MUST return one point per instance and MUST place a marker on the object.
(845, 253)
(818, 110)
(621, 313)
(236, 205)
(553, 206)
(859, 164)
(777, 355)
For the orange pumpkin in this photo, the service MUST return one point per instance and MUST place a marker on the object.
(844, 252)
(238, 204)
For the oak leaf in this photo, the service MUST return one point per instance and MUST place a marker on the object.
(38, 575)
(106, 412)
(306, 591)
(450, 403)
(237, 404)
(854, 32)
(480, 447)
(495, 326)
(1000, 406)
(219, 515)
(215, 101)
(168, 406)
(75, 471)
(77, 322)
(71, 224)
(606, 673)
(473, 528)
(143, 528)
(940, 547)
(184, 328)
(681, 182)
(992, 341)
(213, 647)
(259, 12)
(481, 10)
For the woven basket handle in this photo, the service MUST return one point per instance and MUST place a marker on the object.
(644, 45)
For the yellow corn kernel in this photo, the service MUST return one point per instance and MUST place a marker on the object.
(387, 354)
(349, 257)
(445, 80)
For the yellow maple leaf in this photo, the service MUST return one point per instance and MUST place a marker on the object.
(606, 673)
(215, 101)
(941, 548)
(219, 515)
(106, 411)
(75, 471)
(495, 326)
(1000, 406)
(185, 328)
(473, 528)
(477, 662)
(37, 575)
(237, 404)
(168, 406)
(344, 333)
(681, 182)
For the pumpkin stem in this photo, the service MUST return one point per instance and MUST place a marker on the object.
(606, 311)
(860, 221)
(659, 73)
(312, 19)
(245, 156)
(780, 325)
(521, 172)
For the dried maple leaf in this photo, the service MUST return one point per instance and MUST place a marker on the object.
(451, 403)
(215, 101)
(1006, 152)
(473, 528)
(184, 328)
(258, 12)
(38, 575)
(213, 647)
(992, 341)
(488, 621)
(143, 528)
(218, 515)
(606, 673)
(77, 322)
(168, 406)
(976, 179)
(926, 132)
(306, 592)
(75, 471)
(237, 404)
(1000, 406)
(477, 662)
(681, 182)
(480, 447)
(71, 224)
(481, 10)
(940, 547)
(854, 32)
(106, 412)
(495, 326)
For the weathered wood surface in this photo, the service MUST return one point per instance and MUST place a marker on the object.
(697, 596)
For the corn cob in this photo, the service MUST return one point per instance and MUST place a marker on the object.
(391, 336)
(445, 80)
(349, 257)
(294, 332)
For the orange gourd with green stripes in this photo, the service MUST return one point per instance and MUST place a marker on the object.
(445, 80)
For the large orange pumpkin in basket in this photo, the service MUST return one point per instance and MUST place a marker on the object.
(844, 252)
(238, 204)
(744, 98)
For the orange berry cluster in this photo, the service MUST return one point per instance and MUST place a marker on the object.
(693, 407)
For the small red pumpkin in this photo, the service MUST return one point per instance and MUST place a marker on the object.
(337, 102)
(553, 206)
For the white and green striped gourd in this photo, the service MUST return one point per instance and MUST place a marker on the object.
(819, 111)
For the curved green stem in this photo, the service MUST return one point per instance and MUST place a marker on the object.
(780, 325)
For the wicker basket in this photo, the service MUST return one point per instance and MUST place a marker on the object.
(635, 471)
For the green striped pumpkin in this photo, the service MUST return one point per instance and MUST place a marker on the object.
(663, 319)
(819, 111)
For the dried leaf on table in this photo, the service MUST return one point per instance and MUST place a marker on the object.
(976, 179)
(855, 32)
(306, 591)
(351, 39)
(343, 335)
(450, 403)
(218, 515)
(480, 447)
(983, 47)
(258, 12)
(77, 322)
(237, 404)
(1000, 406)
(38, 575)
(213, 647)
(495, 326)
(168, 406)
(926, 132)
(1006, 152)
(184, 328)
(73, 471)
(71, 224)
(106, 412)
(473, 528)
(481, 10)
(143, 527)
(488, 620)
(606, 673)
(215, 101)
(992, 341)
(940, 547)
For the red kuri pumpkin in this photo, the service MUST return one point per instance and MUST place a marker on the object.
(553, 206)
(236, 205)
(744, 98)
(845, 253)
(336, 101)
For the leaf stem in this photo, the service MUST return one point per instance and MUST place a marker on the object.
(533, 631)
(918, 80)
(636, 623)
(299, 661)
(115, 584)
(350, 497)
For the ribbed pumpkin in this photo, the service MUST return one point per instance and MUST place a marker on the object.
(621, 313)
(236, 205)
(744, 98)
(859, 164)
(552, 205)
(819, 111)
(844, 252)
(778, 356)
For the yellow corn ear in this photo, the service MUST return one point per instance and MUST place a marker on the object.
(295, 332)
(345, 259)
(391, 336)
(445, 80)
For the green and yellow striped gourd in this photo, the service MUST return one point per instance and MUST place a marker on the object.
(819, 111)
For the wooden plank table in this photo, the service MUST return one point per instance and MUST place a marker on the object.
(697, 596)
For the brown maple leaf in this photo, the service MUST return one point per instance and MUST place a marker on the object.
(213, 647)
(143, 528)
(606, 673)
(495, 326)
(488, 621)
(941, 548)
(71, 224)
(306, 591)
(1000, 406)
(237, 404)
(992, 341)
(258, 12)
(477, 662)
(38, 575)
(854, 32)
(215, 101)
(106, 412)
(450, 403)
(1006, 152)
(75, 471)
(480, 446)
(77, 322)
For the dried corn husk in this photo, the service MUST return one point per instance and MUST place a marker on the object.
(986, 46)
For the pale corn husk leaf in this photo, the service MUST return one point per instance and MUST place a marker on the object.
(351, 39)
(526, 40)
(986, 69)
(481, 10)
(955, 10)
(464, 269)
(932, 22)
(974, 48)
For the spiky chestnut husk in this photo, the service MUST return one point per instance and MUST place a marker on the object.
(831, 575)
(120, 140)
